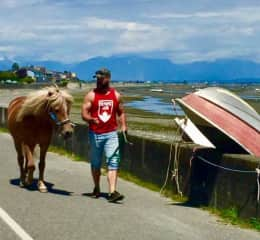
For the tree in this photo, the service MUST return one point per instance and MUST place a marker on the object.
(15, 67)
(64, 82)
(21, 73)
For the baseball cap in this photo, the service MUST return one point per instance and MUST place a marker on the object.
(103, 72)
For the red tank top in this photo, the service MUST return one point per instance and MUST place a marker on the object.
(105, 108)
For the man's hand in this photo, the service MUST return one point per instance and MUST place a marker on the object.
(121, 113)
(94, 120)
(124, 129)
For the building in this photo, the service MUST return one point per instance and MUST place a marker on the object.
(41, 74)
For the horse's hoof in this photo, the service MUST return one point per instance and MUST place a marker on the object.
(28, 182)
(42, 187)
(29, 179)
(22, 184)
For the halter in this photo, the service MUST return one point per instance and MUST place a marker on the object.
(57, 122)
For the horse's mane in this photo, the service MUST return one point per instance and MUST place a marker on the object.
(42, 100)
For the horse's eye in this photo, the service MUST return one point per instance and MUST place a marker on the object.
(56, 110)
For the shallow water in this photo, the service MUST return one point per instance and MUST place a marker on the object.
(156, 105)
(250, 97)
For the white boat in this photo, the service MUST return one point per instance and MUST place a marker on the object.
(157, 90)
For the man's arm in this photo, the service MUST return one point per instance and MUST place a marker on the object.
(121, 113)
(85, 109)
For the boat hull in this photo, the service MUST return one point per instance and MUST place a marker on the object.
(226, 131)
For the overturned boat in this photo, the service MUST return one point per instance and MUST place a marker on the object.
(229, 123)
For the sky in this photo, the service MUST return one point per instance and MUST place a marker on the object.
(182, 31)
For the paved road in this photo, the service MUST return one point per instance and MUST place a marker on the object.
(64, 213)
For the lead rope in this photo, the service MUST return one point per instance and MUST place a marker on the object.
(175, 171)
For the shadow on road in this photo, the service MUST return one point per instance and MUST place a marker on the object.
(90, 194)
(188, 204)
(102, 195)
(49, 185)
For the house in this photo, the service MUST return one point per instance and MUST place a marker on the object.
(30, 74)
(41, 74)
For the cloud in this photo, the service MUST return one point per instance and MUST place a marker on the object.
(75, 30)
(109, 24)
(19, 3)
(245, 14)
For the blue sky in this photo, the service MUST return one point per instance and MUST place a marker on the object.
(182, 31)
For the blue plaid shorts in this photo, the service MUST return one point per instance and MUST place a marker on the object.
(107, 143)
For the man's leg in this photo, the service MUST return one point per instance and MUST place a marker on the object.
(113, 159)
(112, 180)
(96, 150)
(96, 177)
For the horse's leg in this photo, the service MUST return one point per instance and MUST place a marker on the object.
(28, 150)
(20, 159)
(41, 185)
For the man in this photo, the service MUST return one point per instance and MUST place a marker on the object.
(100, 109)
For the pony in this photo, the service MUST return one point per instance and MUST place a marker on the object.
(31, 121)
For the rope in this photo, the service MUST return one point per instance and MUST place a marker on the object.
(175, 171)
(257, 171)
(225, 168)
(258, 184)
(168, 170)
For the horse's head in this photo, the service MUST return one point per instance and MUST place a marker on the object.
(50, 104)
(58, 106)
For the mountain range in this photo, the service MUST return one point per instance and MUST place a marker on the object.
(136, 68)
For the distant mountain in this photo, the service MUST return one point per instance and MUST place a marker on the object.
(138, 68)
(128, 68)
(132, 68)
(5, 64)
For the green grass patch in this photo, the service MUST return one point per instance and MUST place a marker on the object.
(4, 130)
(143, 113)
(151, 186)
(150, 127)
(127, 99)
(63, 152)
(231, 216)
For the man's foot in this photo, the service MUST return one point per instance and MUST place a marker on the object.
(115, 196)
(96, 192)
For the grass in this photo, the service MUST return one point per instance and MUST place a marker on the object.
(151, 186)
(146, 114)
(65, 153)
(4, 130)
(151, 127)
(231, 216)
